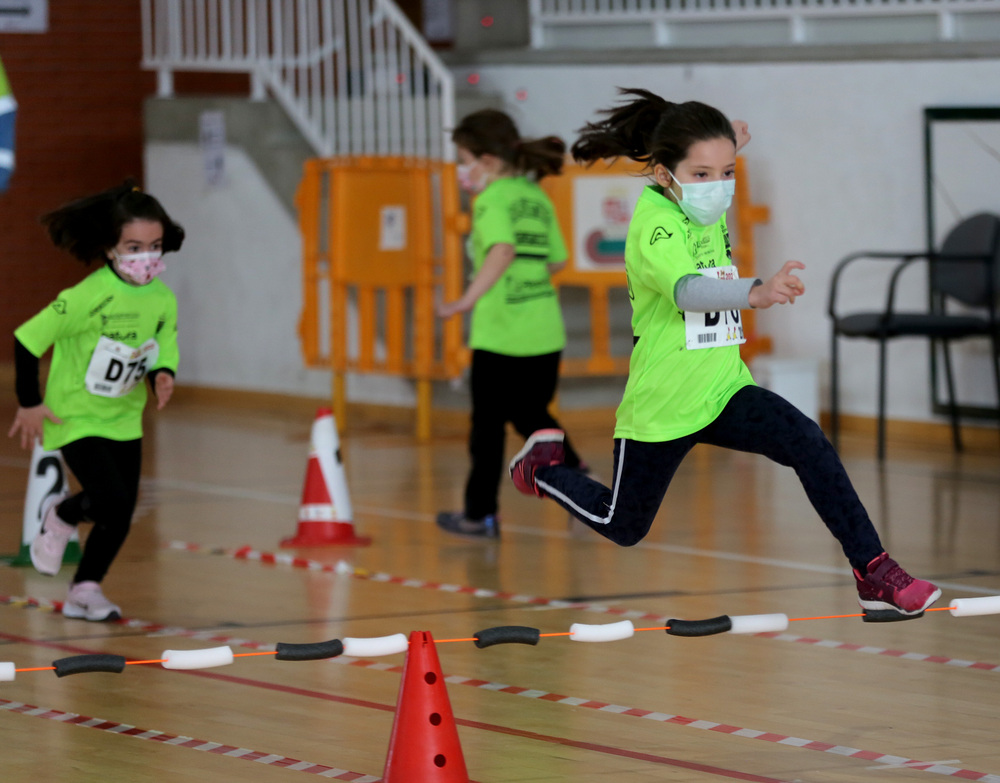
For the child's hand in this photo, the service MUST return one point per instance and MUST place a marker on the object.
(163, 389)
(742, 131)
(29, 421)
(780, 289)
(448, 309)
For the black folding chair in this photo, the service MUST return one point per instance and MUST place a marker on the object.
(965, 269)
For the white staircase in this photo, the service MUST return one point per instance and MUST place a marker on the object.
(355, 76)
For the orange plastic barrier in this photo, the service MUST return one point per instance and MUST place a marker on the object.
(380, 237)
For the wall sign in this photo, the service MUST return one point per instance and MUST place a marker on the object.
(24, 16)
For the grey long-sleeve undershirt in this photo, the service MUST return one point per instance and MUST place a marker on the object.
(701, 294)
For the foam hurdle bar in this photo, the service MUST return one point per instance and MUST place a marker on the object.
(7, 671)
(611, 632)
(81, 664)
(309, 652)
(759, 623)
(197, 659)
(712, 625)
(507, 634)
(970, 607)
(375, 646)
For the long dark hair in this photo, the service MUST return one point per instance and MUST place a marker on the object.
(88, 227)
(650, 129)
(492, 132)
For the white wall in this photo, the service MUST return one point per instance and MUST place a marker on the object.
(238, 281)
(837, 155)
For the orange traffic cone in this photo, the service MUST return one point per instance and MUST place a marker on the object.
(424, 745)
(325, 515)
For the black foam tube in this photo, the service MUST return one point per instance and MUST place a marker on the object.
(309, 652)
(507, 634)
(712, 625)
(81, 664)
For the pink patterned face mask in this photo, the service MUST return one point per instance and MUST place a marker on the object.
(140, 268)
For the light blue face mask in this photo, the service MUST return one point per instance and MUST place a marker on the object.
(705, 202)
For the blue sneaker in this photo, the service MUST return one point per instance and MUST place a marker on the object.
(456, 523)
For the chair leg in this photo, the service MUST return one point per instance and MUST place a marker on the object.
(956, 434)
(881, 398)
(995, 344)
(835, 394)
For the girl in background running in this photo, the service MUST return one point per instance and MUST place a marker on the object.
(110, 334)
(516, 333)
(687, 383)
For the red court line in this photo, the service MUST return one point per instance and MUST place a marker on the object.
(216, 748)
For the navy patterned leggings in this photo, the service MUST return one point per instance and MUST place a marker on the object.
(756, 421)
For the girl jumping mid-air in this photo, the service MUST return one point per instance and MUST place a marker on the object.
(687, 383)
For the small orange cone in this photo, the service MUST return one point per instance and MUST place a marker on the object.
(424, 746)
(325, 515)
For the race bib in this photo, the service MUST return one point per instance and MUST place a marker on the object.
(711, 330)
(115, 368)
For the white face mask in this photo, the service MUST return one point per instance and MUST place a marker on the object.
(705, 202)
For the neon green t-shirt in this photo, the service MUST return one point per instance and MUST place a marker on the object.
(672, 391)
(520, 314)
(106, 336)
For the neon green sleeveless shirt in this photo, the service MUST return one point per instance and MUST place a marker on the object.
(106, 336)
(520, 314)
(672, 391)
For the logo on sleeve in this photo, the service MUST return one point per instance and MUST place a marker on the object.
(659, 233)
(59, 306)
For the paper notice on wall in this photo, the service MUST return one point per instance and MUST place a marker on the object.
(212, 135)
(392, 228)
(24, 16)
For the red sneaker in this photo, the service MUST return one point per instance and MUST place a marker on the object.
(888, 593)
(541, 449)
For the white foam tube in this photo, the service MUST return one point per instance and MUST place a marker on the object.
(374, 646)
(758, 623)
(197, 659)
(969, 607)
(7, 672)
(579, 632)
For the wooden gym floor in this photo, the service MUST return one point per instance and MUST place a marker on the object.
(829, 701)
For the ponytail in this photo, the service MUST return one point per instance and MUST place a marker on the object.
(492, 132)
(651, 130)
(541, 157)
(88, 227)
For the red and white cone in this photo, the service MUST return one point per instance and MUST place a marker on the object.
(325, 515)
(424, 744)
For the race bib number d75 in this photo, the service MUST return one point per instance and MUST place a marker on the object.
(115, 368)
(711, 330)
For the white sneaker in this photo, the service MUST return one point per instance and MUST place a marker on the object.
(49, 546)
(86, 602)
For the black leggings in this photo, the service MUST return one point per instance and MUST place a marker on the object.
(108, 472)
(517, 389)
(755, 420)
